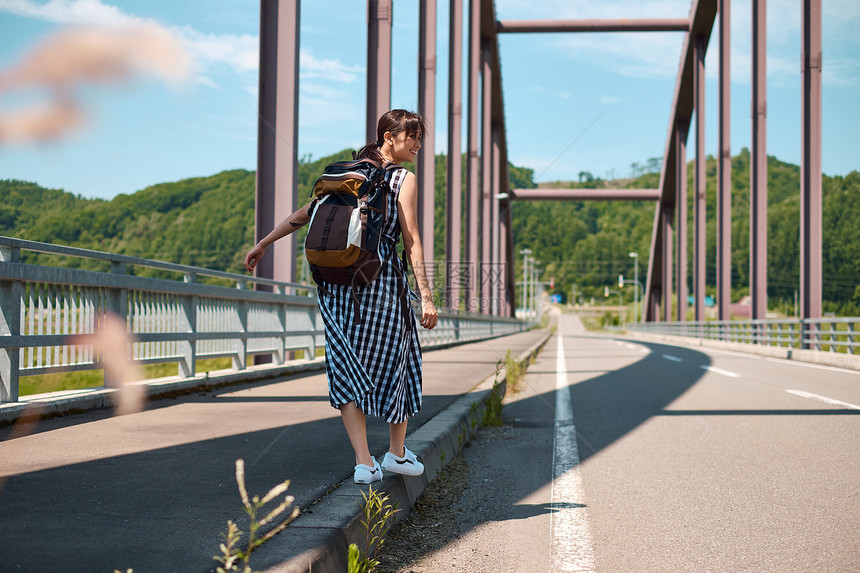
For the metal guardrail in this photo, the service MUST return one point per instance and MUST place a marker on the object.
(171, 320)
(822, 334)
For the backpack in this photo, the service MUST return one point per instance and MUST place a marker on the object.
(344, 240)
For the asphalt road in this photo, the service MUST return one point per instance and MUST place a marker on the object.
(683, 460)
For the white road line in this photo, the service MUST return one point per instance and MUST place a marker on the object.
(810, 365)
(824, 399)
(570, 541)
(631, 347)
(721, 371)
(672, 358)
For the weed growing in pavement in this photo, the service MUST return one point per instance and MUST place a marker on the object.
(493, 407)
(376, 521)
(514, 372)
(231, 554)
(493, 410)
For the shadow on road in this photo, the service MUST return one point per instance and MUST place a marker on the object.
(169, 505)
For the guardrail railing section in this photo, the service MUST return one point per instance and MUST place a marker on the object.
(216, 318)
(46, 311)
(160, 328)
(833, 334)
(49, 315)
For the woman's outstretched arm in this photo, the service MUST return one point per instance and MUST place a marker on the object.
(407, 209)
(292, 223)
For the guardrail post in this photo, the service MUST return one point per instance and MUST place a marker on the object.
(312, 345)
(849, 338)
(117, 304)
(280, 355)
(188, 348)
(240, 357)
(10, 325)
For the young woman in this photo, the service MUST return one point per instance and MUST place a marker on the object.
(374, 368)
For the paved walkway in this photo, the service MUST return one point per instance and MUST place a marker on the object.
(153, 491)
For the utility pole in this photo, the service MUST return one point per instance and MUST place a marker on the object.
(525, 253)
(636, 285)
(535, 266)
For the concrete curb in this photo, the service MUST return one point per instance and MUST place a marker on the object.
(838, 360)
(318, 540)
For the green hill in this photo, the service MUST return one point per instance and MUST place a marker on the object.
(587, 243)
(208, 222)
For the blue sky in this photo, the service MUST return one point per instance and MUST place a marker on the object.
(555, 85)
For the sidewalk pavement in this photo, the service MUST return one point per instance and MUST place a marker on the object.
(153, 491)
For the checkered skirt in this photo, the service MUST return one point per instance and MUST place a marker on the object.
(377, 363)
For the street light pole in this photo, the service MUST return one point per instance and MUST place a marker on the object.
(635, 286)
(525, 253)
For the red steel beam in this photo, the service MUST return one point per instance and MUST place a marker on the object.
(473, 191)
(702, 16)
(277, 133)
(681, 224)
(426, 160)
(758, 163)
(585, 194)
(724, 171)
(810, 169)
(497, 112)
(700, 225)
(486, 174)
(666, 291)
(454, 186)
(379, 18)
(496, 222)
(507, 244)
(605, 25)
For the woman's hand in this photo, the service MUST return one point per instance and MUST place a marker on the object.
(429, 316)
(253, 257)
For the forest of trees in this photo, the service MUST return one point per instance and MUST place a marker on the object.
(209, 222)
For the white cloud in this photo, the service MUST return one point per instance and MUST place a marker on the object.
(658, 54)
(609, 99)
(783, 44)
(92, 12)
(239, 53)
(645, 54)
(635, 55)
(581, 9)
(236, 53)
(841, 72)
(206, 81)
(334, 70)
(323, 105)
(551, 93)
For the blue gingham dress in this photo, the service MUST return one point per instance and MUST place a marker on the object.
(376, 364)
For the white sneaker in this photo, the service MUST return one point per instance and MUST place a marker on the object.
(408, 465)
(367, 474)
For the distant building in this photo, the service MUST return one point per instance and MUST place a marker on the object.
(742, 308)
